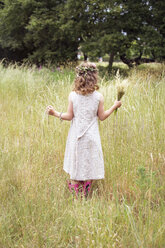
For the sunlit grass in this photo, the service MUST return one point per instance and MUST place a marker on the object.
(36, 208)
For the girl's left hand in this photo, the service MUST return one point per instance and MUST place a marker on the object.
(117, 104)
(50, 110)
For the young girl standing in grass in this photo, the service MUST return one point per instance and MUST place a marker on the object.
(83, 155)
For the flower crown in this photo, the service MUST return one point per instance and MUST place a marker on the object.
(85, 69)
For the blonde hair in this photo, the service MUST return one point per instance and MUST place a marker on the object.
(86, 80)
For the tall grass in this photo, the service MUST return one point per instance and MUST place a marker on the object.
(36, 208)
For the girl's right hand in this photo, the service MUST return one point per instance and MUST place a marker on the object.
(117, 104)
(50, 110)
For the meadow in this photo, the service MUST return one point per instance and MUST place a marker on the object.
(126, 209)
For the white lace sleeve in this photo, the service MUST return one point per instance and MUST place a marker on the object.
(71, 95)
(99, 96)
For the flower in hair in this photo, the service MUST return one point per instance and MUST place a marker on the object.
(85, 69)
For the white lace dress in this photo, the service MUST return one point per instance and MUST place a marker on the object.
(83, 154)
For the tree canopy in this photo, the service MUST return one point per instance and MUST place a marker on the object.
(53, 30)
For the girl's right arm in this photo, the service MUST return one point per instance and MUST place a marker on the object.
(68, 116)
(102, 114)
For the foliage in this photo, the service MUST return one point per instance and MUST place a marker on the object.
(14, 17)
(128, 29)
(45, 24)
(42, 31)
(32, 29)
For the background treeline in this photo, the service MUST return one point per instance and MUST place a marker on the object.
(53, 30)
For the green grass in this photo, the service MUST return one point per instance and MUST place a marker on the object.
(36, 208)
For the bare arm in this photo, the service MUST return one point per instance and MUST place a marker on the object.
(68, 116)
(102, 114)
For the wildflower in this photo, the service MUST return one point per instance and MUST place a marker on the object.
(121, 89)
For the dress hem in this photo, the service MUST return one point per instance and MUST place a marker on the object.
(84, 179)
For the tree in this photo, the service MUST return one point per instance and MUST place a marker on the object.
(130, 29)
(14, 16)
(53, 30)
(156, 37)
(103, 26)
(121, 29)
(78, 21)
(50, 40)
(148, 40)
(32, 30)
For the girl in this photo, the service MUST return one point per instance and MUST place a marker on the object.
(83, 155)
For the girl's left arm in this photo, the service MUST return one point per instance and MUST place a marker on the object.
(68, 116)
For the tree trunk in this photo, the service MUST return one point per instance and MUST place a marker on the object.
(111, 58)
(85, 57)
(136, 61)
(126, 61)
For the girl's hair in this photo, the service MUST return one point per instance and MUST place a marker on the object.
(86, 80)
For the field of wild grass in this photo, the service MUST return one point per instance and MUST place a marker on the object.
(126, 209)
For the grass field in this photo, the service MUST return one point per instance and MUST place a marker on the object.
(126, 209)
